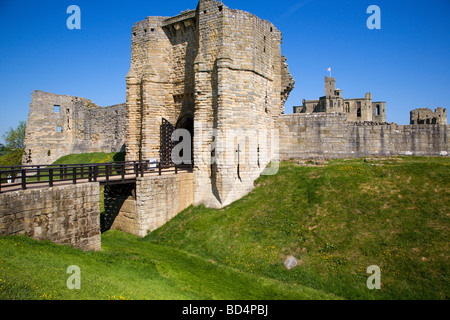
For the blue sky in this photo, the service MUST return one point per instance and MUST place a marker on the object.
(406, 63)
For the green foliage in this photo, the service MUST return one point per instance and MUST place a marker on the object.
(15, 138)
(11, 158)
(15, 144)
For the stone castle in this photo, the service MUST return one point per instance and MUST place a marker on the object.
(360, 109)
(218, 73)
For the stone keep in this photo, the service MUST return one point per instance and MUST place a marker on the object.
(220, 69)
(357, 109)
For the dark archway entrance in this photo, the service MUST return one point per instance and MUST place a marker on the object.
(187, 123)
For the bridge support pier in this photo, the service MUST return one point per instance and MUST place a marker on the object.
(146, 206)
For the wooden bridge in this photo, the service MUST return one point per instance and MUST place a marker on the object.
(43, 176)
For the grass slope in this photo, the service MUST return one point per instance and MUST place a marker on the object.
(129, 268)
(86, 158)
(338, 220)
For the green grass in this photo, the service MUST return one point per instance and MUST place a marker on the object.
(86, 158)
(338, 219)
(129, 268)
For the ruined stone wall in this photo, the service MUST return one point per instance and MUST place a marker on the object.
(427, 116)
(332, 136)
(67, 215)
(60, 124)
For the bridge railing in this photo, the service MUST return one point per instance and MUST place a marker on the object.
(27, 176)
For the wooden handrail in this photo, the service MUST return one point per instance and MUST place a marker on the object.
(39, 175)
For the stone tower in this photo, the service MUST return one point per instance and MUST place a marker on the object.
(220, 70)
(330, 86)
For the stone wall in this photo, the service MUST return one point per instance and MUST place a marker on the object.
(154, 200)
(67, 215)
(427, 116)
(332, 136)
(220, 66)
(60, 124)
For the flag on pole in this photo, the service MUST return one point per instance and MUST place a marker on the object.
(329, 70)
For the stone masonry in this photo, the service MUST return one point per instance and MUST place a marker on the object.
(427, 116)
(66, 215)
(148, 204)
(357, 109)
(320, 135)
(59, 125)
(220, 67)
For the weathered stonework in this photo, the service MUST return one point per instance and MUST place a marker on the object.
(427, 116)
(358, 109)
(59, 125)
(321, 135)
(148, 204)
(220, 67)
(66, 215)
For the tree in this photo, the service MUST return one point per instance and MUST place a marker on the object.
(15, 145)
(15, 138)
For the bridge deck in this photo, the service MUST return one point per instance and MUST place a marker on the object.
(36, 177)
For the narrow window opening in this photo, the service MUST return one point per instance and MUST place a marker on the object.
(58, 129)
(134, 34)
(145, 30)
(152, 29)
(220, 8)
(378, 110)
(56, 109)
(204, 11)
